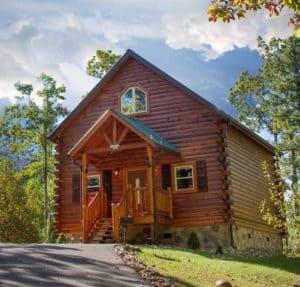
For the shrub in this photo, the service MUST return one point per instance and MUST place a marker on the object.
(193, 241)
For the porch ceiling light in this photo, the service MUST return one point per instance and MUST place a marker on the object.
(114, 147)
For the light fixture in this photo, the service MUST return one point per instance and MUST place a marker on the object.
(117, 171)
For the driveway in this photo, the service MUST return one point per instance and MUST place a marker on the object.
(63, 265)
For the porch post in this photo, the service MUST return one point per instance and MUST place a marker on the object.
(84, 183)
(151, 188)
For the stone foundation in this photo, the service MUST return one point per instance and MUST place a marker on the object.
(137, 234)
(246, 238)
(210, 237)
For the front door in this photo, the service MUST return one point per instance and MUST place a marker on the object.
(136, 183)
(107, 185)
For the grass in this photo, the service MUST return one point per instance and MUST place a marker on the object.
(195, 268)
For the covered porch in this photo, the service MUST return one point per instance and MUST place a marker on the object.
(126, 154)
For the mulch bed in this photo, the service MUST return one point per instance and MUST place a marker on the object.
(128, 255)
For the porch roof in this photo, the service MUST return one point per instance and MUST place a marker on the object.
(138, 127)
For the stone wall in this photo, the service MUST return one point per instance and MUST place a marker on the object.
(246, 238)
(137, 234)
(210, 237)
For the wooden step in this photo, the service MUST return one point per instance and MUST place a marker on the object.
(102, 233)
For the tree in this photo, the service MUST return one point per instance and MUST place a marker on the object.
(279, 214)
(24, 129)
(17, 218)
(228, 10)
(270, 99)
(98, 65)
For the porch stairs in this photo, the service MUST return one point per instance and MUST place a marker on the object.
(102, 232)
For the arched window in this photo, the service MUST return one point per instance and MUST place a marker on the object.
(133, 101)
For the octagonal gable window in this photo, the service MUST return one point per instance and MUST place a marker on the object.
(133, 101)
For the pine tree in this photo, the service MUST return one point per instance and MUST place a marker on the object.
(270, 100)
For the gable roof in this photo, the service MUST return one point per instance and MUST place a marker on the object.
(134, 124)
(131, 54)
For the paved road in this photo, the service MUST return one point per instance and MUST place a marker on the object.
(64, 265)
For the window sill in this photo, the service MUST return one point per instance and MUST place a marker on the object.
(135, 114)
(182, 191)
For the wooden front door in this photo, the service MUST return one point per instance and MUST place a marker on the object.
(107, 185)
(136, 183)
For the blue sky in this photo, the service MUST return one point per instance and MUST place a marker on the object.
(58, 37)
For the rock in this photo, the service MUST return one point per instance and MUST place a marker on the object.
(222, 283)
(128, 255)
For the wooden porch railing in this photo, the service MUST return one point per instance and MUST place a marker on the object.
(164, 201)
(93, 212)
(118, 210)
(134, 204)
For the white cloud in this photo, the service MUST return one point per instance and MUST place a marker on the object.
(213, 39)
(58, 37)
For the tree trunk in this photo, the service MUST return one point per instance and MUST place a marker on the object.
(45, 182)
(294, 184)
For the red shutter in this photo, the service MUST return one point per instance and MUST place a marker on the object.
(76, 188)
(201, 175)
(166, 176)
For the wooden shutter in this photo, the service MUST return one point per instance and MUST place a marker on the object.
(201, 175)
(166, 176)
(76, 188)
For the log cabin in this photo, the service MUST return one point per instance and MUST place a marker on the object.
(143, 158)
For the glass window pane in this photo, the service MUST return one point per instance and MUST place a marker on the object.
(127, 102)
(93, 181)
(184, 172)
(140, 100)
(184, 183)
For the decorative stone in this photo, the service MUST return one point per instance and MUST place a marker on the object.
(222, 283)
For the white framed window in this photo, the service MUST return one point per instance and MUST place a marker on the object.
(93, 182)
(184, 177)
(134, 101)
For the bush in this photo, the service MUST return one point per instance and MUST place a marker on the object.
(193, 241)
(61, 238)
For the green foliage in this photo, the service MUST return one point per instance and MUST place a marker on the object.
(24, 130)
(193, 241)
(17, 217)
(274, 214)
(270, 99)
(99, 64)
(46, 232)
(229, 10)
(61, 238)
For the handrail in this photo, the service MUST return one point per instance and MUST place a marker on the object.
(93, 212)
(118, 210)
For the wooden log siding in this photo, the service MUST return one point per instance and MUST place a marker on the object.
(249, 187)
(184, 121)
(201, 175)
